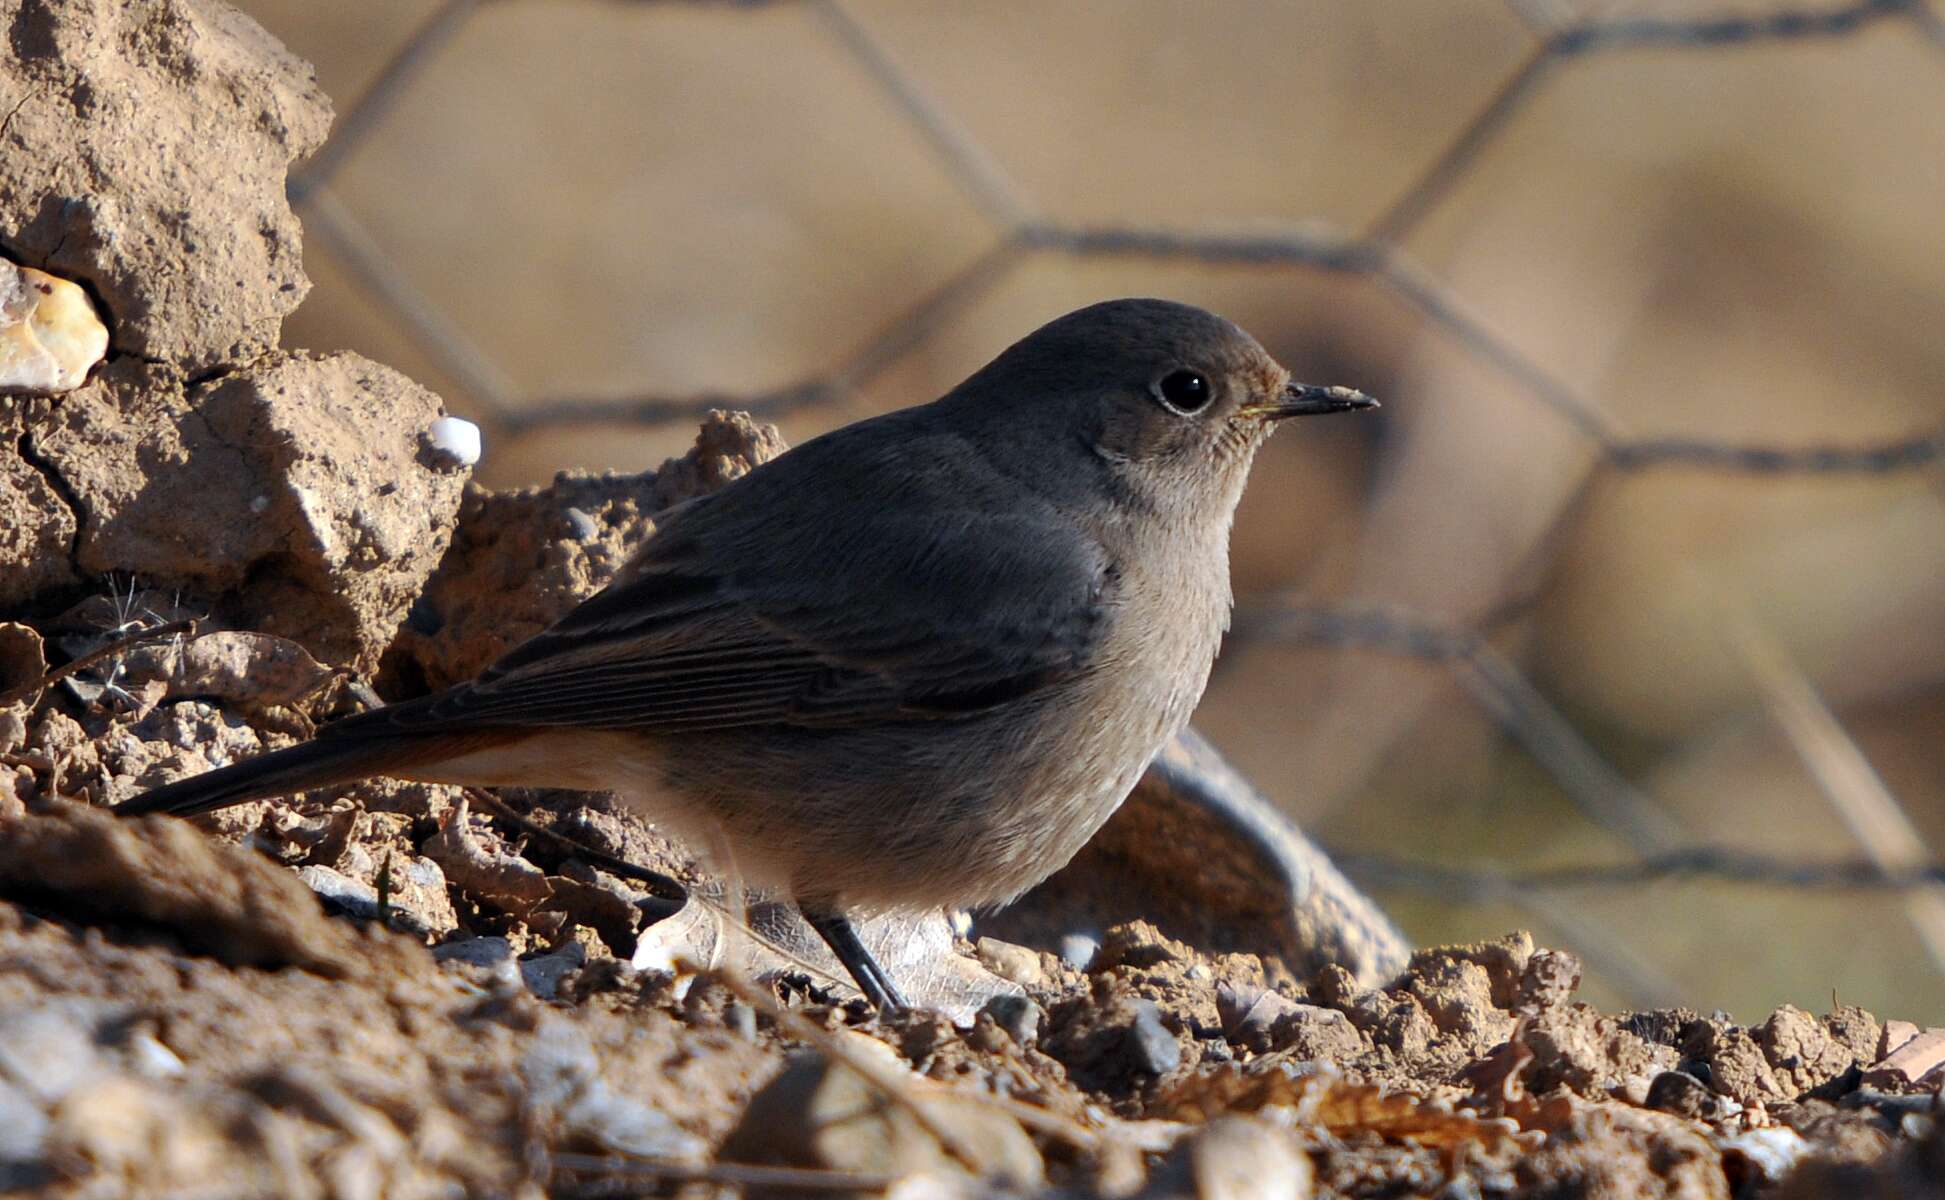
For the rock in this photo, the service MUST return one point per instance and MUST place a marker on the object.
(1137, 944)
(1399, 1024)
(342, 892)
(184, 739)
(1549, 981)
(23, 1137)
(1800, 1051)
(1896, 1034)
(1737, 1066)
(1250, 1014)
(1856, 1031)
(1762, 1157)
(456, 438)
(311, 465)
(151, 1059)
(1611, 1150)
(1241, 1158)
(1078, 950)
(1009, 961)
(1915, 1059)
(128, 1129)
(1150, 1048)
(729, 445)
(22, 661)
(416, 895)
(1458, 996)
(1317, 1034)
(740, 1019)
(50, 336)
(146, 145)
(487, 953)
(1236, 1158)
(48, 1050)
(565, 1091)
(1261, 1020)
(825, 1115)
(1683, 1094)
(543, 973)
(1579, 1048)
(1018, 1016)
(1113, 1040)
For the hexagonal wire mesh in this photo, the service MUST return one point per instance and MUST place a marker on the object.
(1651, 296)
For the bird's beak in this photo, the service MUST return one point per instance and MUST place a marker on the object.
(1309, 400)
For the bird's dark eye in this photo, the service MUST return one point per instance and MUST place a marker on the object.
(1184, 391)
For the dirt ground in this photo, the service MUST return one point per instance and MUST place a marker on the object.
(186, 1014)
(398, 990)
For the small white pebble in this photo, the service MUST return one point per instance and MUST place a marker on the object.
(153, 1059)
(1773, 1152)
(259, 504)
(456, 438)
(1078, 949)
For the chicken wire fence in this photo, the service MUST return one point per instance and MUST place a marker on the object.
(1561, 35)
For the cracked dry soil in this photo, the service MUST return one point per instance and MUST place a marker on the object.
(390, 992)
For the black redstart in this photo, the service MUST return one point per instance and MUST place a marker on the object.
(916, 661)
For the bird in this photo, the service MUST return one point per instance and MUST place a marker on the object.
(914, 662)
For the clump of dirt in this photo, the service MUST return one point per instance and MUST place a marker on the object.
(398, 990)
(295, 495)
(146, 143)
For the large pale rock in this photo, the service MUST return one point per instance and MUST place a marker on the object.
(50, 336)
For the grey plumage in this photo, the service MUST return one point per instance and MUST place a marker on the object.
(916, 661)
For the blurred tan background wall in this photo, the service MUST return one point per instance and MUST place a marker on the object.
(1592, 228)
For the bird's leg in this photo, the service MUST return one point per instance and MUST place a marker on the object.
(873, 980)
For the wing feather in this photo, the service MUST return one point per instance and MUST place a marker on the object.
(919, 611)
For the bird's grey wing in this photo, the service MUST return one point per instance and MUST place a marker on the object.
(940, 614)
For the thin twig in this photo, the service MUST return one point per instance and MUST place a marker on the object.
(666, 888)
(119, 646)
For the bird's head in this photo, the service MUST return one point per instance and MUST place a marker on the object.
(1169, 401)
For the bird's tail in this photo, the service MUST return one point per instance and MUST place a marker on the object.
(322, 763)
